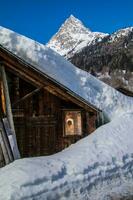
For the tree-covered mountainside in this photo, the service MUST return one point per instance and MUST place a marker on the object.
(111, 59)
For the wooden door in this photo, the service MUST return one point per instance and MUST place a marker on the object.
(36, 136)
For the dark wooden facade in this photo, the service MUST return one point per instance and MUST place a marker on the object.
(39, 120)
(39, 105)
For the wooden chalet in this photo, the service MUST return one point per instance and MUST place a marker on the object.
(47, 116)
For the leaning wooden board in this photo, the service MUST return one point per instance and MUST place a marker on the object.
(5, 149)
(11, 138)
(9, 124)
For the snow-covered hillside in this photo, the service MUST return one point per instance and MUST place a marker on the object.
(98, 167)
(73, 79)
(73, 36)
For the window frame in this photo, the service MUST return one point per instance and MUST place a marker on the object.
(64, 125)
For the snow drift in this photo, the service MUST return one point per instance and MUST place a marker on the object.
(73, 79)
(97, 167)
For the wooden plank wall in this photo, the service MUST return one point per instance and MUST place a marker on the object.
(39, 120)
(37, 129)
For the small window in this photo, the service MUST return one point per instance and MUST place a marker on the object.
(72, 123)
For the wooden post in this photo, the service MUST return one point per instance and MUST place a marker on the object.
(9, 110)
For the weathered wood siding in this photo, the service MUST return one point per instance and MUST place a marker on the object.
(39, 120)
(37, 124)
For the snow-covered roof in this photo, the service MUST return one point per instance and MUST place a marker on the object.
(45, 60)
(98, 167)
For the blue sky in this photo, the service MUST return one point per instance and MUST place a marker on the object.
(40, 19)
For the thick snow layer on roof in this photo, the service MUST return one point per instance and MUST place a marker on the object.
(98, 167)
(45, 60)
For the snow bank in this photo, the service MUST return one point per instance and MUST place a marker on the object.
(48, 62)
(97, 167)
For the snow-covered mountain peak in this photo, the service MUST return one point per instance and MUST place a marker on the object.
(75, 25)
(73, 36)
(73, 18)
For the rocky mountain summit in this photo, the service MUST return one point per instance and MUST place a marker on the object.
(107, 56)
(72, 37)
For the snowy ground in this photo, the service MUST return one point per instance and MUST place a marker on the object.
(98, 167)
